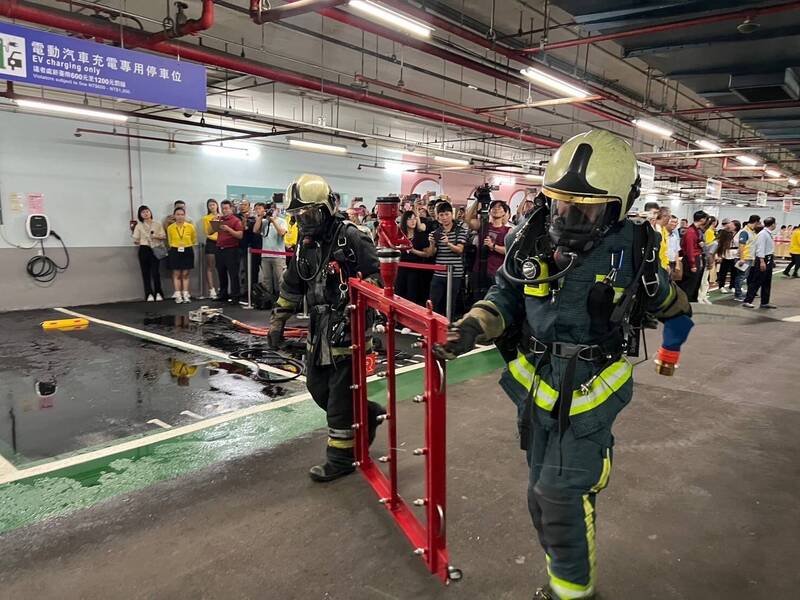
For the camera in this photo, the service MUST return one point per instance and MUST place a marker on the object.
(189, 112)
(483, 194)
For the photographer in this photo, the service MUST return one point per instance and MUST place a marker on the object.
(494, 242)
(272, 228)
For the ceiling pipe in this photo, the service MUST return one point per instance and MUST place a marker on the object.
(190, 27)
(277, 13)
(694, 177)
(734, 108)
(484, 42)
(81, 130)
(346, 18)
(24, 11)
(728, 16)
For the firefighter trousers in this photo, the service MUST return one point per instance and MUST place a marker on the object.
(567, 471)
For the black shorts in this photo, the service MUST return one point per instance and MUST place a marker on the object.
(180, 261)
(211, 246)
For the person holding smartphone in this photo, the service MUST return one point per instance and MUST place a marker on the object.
(447, 245)
(148, 234)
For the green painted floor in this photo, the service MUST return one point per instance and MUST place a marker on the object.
(30, 500)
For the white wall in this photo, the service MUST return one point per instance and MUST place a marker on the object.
(85, 180)
(85, 185)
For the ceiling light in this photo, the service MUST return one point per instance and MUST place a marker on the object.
(503, 180)
(553, 83)
(230, 151)
(316, 147)
(773, 173)
(675, 196)
(747, 160)
(792, 181)
(396, 167)
(708, 145)
(651, 197)
(532, 177)
(472, 87)
(451, 161)
(653, 128)
(391, 17)
(71, 110)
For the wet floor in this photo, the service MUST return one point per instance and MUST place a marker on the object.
(68, 391)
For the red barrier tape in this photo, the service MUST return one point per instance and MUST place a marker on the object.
(407, 265)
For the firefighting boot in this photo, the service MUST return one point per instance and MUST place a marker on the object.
(339, 463)
(546, 593)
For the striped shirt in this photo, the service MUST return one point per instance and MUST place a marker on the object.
(445, 256)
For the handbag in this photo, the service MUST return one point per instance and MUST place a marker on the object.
(160, 252)
(677, 272)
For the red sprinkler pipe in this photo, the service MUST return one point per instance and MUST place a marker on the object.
(428, 48)
(191, 26)
(483, 42)
(299, 7)
(734, 108)
(729, 16)
(50, 17)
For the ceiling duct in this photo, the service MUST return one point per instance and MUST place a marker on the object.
(766, 87)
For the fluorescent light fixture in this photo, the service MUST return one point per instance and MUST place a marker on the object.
(396, 167)
(793, 181)
(317, 147)
(391, 17)
(773, 173)
(675, 196)
(651, 197)
(71, 110)
(708, 145)
(472, 87)
(230, 151)
(503, 180)
(653, 128)
(451, 161)
(532, 177)
(747, 160)
(553, 83)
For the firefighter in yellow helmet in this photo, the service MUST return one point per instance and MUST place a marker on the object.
(329, 250)
(577, 279)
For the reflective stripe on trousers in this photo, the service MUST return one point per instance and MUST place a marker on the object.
(602, 387)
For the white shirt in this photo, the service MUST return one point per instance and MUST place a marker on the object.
(765, 245)
(673, 245)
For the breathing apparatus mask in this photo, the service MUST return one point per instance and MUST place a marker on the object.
(589, 185)
(311, 204)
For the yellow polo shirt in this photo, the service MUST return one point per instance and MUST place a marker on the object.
(181, 236)
(794, 246)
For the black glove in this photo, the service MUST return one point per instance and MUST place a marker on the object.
(460, 339)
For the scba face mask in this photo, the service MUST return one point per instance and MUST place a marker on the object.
(577, 224)
(312, 220)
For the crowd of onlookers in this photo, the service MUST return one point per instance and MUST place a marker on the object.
(727, 255)
(701, 256)
(229, 232)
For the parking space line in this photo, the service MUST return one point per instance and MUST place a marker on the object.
(6, 468)
(168, 341)
(9, 473)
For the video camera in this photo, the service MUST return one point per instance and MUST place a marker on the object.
(483, 194)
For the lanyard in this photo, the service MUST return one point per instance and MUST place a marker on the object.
(180, 231)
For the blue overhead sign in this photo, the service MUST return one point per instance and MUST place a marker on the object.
(41, 58)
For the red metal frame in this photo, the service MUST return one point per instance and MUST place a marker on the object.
(429, 541)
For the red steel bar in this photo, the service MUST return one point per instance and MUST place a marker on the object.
(728, 16)
(298, 7)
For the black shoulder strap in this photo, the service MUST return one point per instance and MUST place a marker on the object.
(645, 268)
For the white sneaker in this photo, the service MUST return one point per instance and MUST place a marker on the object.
(159, 297)
(725, 290)
(212, 293)
(178, 299)
(150, 298)
(186, 297)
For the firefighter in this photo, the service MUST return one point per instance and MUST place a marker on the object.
(578, 278)
(330, 249)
